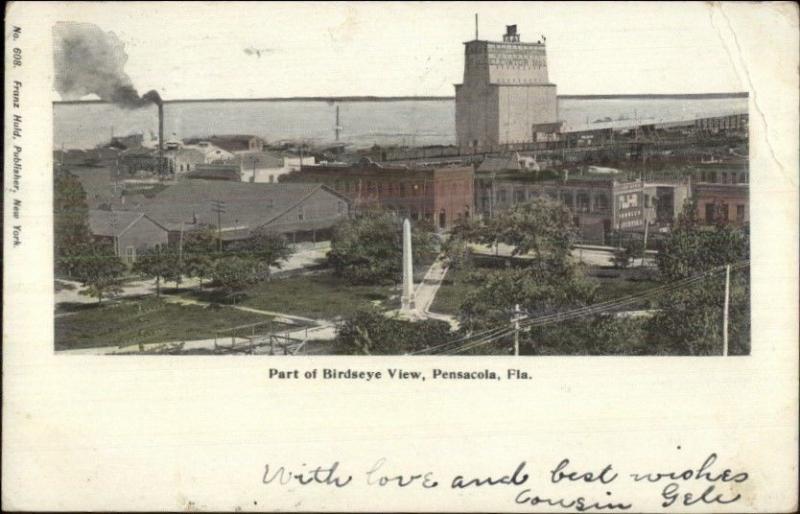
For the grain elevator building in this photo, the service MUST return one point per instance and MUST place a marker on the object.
(506, 96)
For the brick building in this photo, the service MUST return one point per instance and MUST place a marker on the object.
(438, 195)
(727, 203)
(599, 205)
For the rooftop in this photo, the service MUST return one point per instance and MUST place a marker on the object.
(112, 223)
(247, 206)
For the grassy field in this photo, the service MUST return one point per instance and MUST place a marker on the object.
(319, 295)
(143, 321)
(452, 292)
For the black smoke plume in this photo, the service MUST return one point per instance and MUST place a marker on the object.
(89, 60)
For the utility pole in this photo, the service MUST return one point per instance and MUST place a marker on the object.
(516, 330)
(218, 206)
(476, 26)
(725, 312)
(114, 238)
(644, 246)
(180, 247)
(492, 199)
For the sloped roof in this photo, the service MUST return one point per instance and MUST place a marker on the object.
(247, 206)
(232, 143)
(112, 223)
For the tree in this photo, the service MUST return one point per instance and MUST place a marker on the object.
(369, 248)
(199, 253)
(542, 281)
(457, 253)
(498, 292)
(268, 250)
(369, 332)
(692, 247)
(98, 269)
(161, 264)
(541, 229)
(456, 247)
(71, 234)
(689, 318)
(234, 273)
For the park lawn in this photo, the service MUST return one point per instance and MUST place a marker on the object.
(319, 295)
(144, 321)
(452, 292)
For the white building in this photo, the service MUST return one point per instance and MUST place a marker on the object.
(266, 167)
(211, 151)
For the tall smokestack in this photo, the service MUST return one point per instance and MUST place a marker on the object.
(89, 60)
(154, 97)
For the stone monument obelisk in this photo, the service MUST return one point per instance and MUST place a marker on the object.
(407, 299)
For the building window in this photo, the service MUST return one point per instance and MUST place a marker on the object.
(601, 203)
(300, 213)
(519, 196)
(501, 196)
(724, 212)
(340, 207)
(130, 254)
(582, 202)
(740, 213)
(710, 213)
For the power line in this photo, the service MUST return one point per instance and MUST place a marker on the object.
(490, 335)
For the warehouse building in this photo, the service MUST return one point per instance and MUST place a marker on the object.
(237, 209)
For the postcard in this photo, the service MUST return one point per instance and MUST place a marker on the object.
(401, 257)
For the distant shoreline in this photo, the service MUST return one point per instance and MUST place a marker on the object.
(346, 99)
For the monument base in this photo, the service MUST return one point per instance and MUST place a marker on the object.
(406, 314)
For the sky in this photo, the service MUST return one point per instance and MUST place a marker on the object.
(205, 50)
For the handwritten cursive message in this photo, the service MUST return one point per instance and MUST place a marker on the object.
(534, 485)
